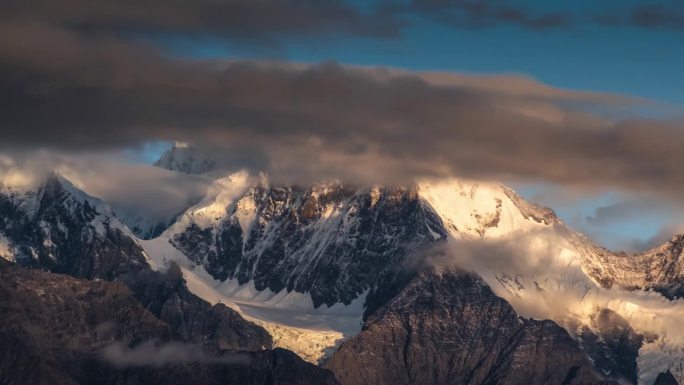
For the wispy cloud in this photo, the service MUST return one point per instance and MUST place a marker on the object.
(158, 354)
(132, 189)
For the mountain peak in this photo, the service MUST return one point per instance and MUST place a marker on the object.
(182, 157)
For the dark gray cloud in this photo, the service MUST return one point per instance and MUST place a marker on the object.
(479, 14)
(656, 15)
(473, 14)
(64, 89)
(263, 19)
(270, 21)
(551, 15)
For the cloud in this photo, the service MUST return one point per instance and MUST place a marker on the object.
(627, 210)
(69, 88)
(311, 122)
(664, 234)
(269, 22)
(158, 354)
(467, 14)
(658, 15)
(537, 273)
(235, 19)
(135, 191)
(530, 253)
(479, 14)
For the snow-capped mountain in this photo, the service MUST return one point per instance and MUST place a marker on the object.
(54, 226)
(337, 244)
(310, 264)
(184, 158)
(329, 241)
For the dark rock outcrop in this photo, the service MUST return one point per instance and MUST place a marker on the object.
(448, 327)
(666, 379)
(612, 345)
(215, 327)
(55, 329)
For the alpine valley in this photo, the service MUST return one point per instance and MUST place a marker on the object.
(441, 282)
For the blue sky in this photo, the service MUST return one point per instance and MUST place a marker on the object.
(632, 60)
(638, 60)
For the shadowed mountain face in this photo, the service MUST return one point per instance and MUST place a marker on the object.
(447, 327)
(215, 327)
(60, 330)
(666, 379)
(612, 345)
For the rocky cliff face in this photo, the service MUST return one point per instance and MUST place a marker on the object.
(447, 327)
(56, 227)
(216, 328)
(329, 241)
(612, 344)
(59, 330)
(660, 269)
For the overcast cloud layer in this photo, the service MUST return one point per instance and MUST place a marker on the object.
(72, 78)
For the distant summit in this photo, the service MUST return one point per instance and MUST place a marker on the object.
(184, 158)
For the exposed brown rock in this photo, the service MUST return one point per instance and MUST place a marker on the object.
(448, 327)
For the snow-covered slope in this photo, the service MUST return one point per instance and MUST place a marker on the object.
(475, 210)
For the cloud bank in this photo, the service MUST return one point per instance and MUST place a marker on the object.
(74, 76)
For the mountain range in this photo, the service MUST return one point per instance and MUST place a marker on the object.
(441, 282)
